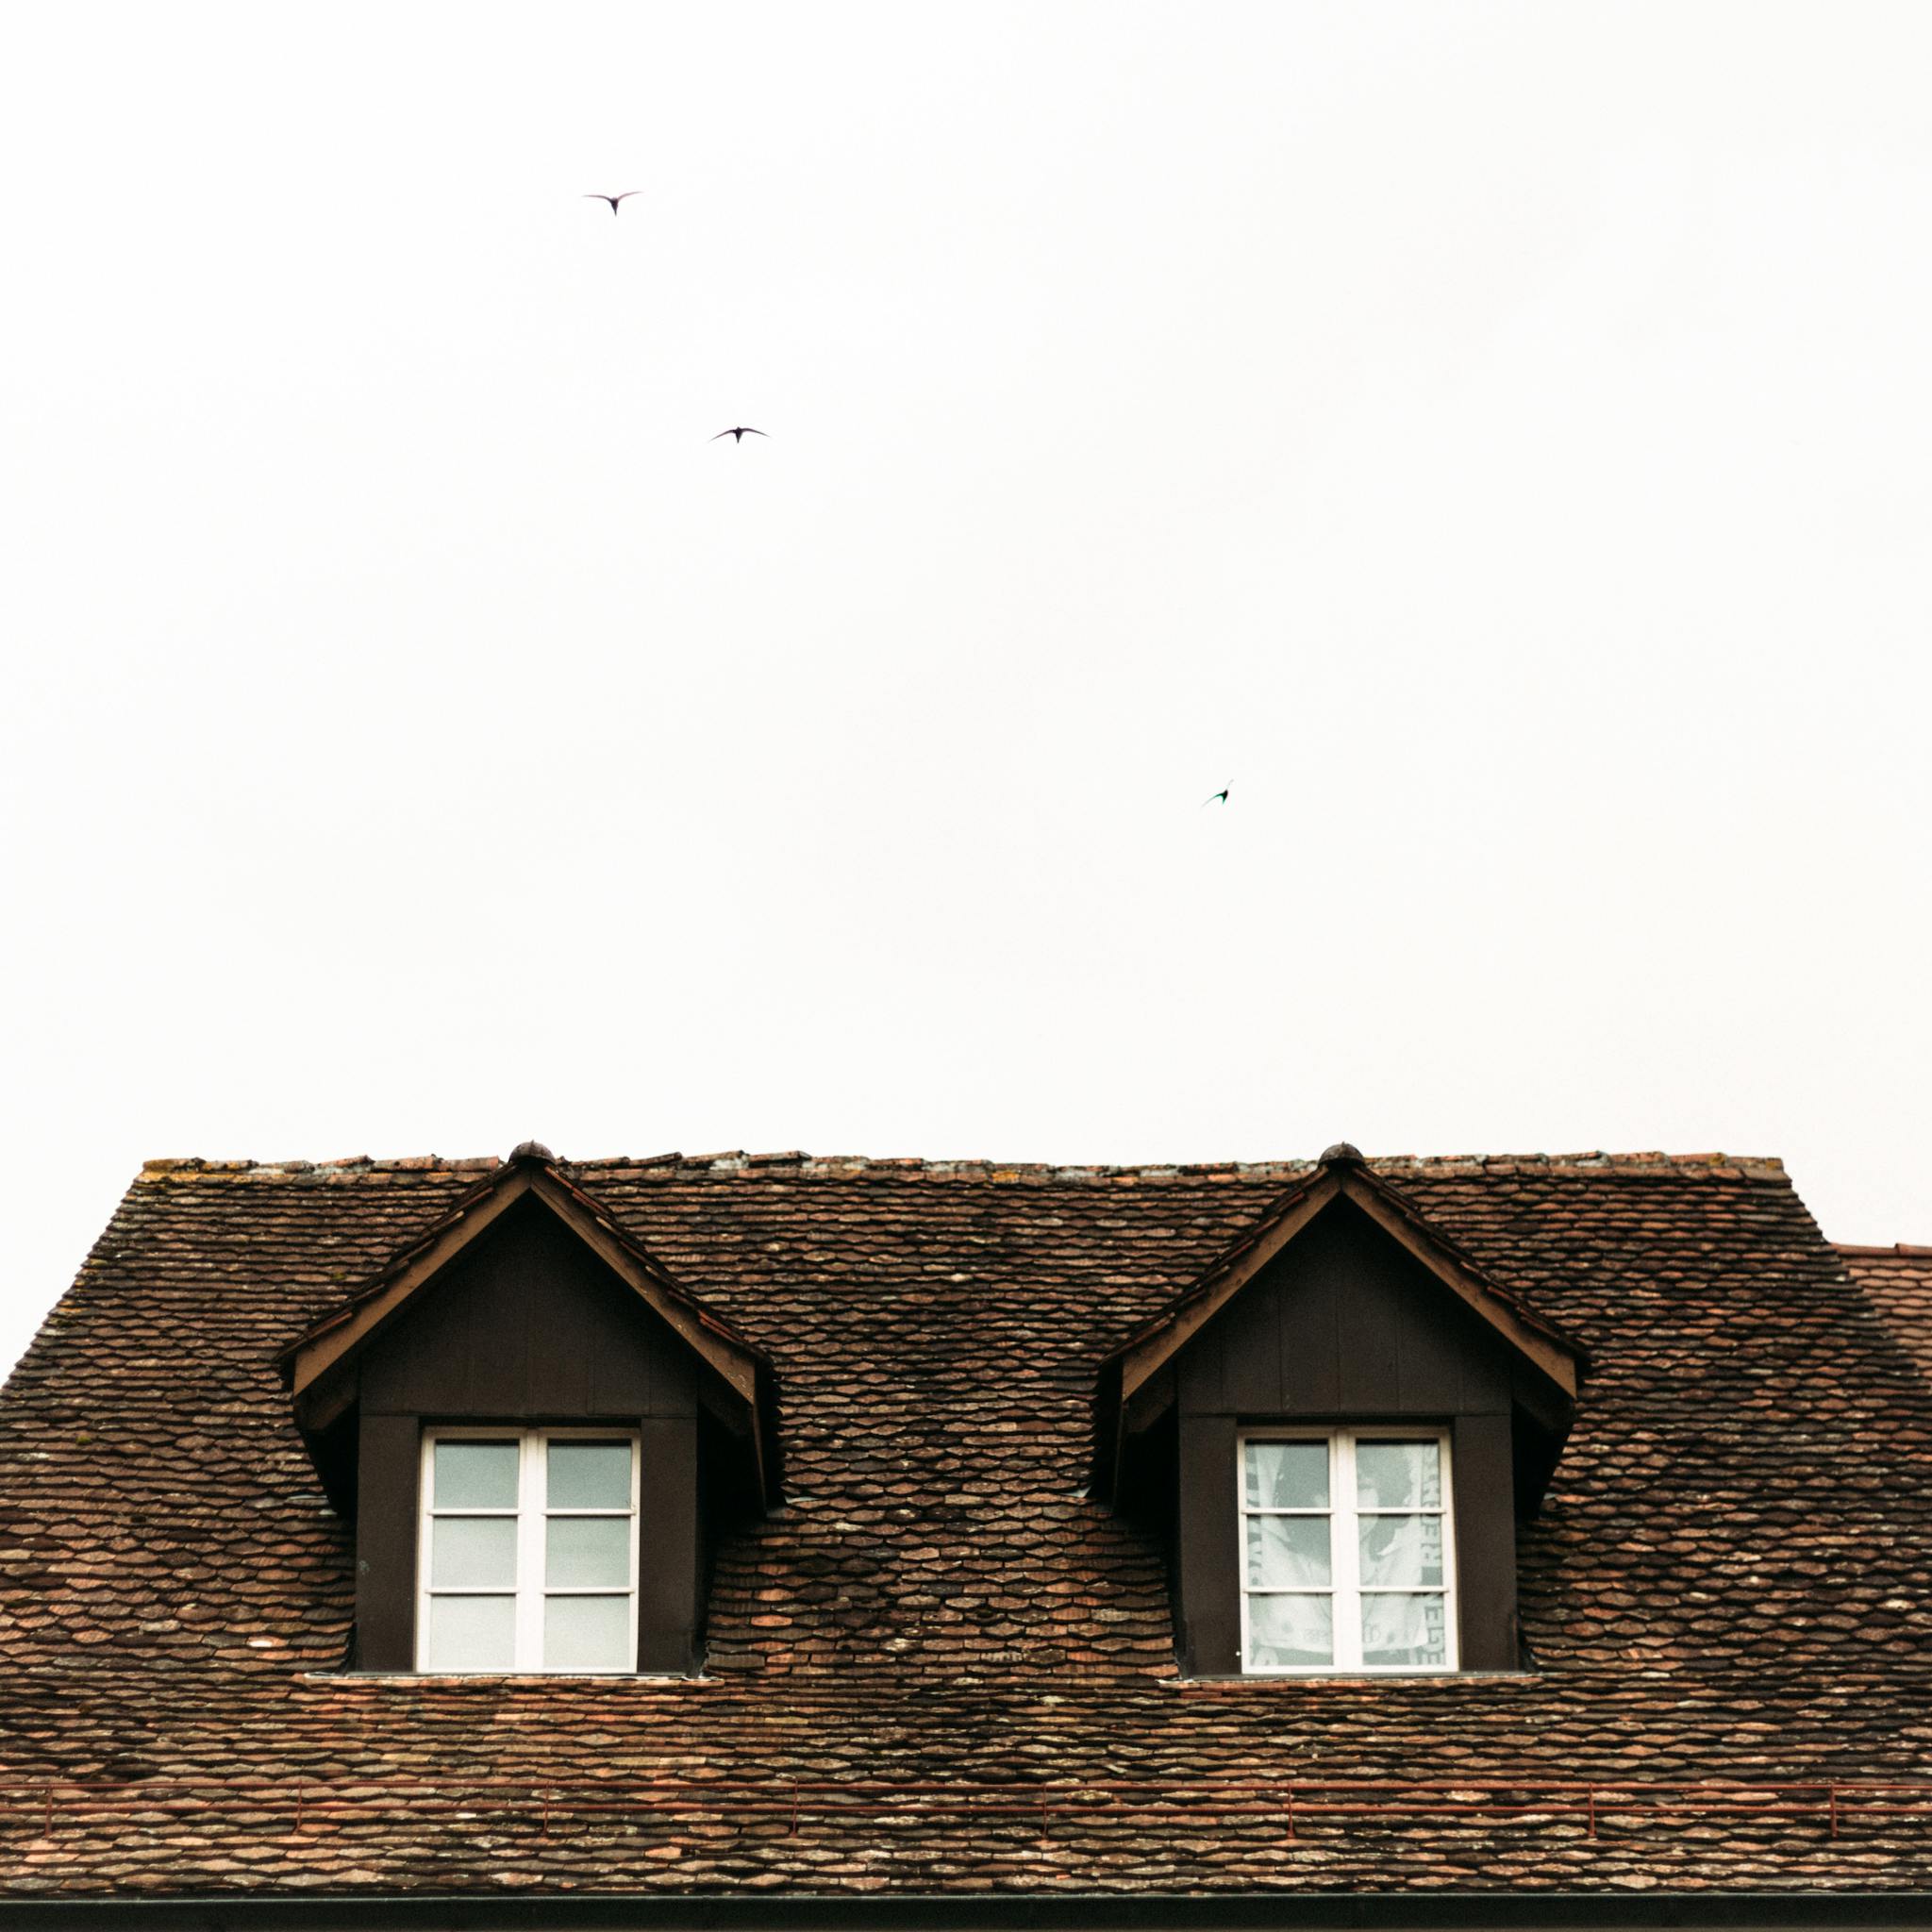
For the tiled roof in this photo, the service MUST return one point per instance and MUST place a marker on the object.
(1729, 1579)
(1899, 1280)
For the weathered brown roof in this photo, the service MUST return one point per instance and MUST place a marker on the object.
(1899, 1280)
(1729, 1579)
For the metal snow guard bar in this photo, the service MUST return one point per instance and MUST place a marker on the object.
(1291, 1803)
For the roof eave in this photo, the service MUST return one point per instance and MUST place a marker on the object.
(1280, 1911)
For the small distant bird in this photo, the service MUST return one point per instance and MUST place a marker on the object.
(614, 199)
(1222, 794)
(739, 433)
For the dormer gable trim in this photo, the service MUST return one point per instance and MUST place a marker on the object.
(1136, 1383)
(1342, 1174)
(312, 1365)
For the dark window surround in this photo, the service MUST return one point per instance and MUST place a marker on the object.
(1207, 1554)
(669, 1586)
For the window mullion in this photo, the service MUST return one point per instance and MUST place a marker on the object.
(637, 1530)
(529, 1637)
(425, 1501)
(1346, 1556)
(1240, 1530)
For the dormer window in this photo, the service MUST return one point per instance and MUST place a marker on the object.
(528, 1554)
(1337, 1429)
(1348, 1552)
(538, 1434)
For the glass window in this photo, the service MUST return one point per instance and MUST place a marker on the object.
(528, 1551)
(1348, 1552)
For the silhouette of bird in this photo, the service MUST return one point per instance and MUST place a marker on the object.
(1222, 794)
(739, 433)
(614, 199)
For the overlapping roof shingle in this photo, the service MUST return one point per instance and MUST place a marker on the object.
(941, 1665)
(1899, 1280)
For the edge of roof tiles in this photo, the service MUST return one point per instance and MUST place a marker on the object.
(1717, 1165)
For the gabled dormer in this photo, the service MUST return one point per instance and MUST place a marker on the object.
(536, 1433)
(1339, 1425)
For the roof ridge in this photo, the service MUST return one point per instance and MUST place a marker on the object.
(348, 1163)
(1910, 1249)
(1724, 1166)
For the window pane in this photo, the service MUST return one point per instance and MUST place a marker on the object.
(1287, 1551)
(587, 1633)
(1403, 1630)
(1284, 1630)
(472, 1553)
(1402, 1549)
(587, 1553)
(1287, 1475)
(589, 1475)
(474, 1475)
(1398, 1475)
(472, 1633)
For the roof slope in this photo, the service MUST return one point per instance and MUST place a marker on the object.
(1899, 1280)
(1728, 1579)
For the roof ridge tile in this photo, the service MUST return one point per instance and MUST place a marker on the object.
(801, 1161)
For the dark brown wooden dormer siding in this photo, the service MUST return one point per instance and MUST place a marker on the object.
(1344, 1327)
(527, 1326)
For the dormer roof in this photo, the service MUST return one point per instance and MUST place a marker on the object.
(317, 1366)
(1554, 1357)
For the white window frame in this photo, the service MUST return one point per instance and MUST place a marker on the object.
(531, 1518)
(1345, 1591)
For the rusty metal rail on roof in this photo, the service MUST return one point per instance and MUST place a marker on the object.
(1294, 1805)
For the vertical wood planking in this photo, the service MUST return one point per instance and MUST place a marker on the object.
(386, 1543)
(1199, 1381)
(1307, 1340)
(537, 1329)
(667, 1573)
(1431, 1358)
(566, 1330)
(1371, 1311)
(1210, 1547)
(1485, 1542)
(1248, 1349)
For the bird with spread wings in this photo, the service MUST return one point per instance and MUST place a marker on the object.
(739, 433)
(614, 199)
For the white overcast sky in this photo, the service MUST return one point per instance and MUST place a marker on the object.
(1490, 440)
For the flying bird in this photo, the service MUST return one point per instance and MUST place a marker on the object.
(739, 433)
(1222, 794)
(614, 199)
